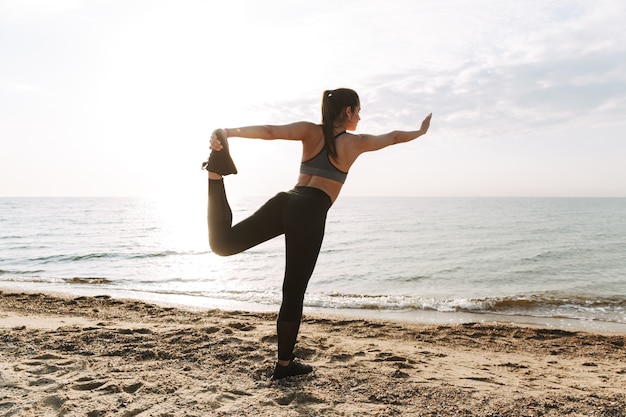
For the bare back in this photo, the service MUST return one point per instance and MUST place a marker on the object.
(312, 144)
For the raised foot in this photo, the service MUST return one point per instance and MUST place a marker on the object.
(220, 161)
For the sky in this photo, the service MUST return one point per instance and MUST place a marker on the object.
(119, 98)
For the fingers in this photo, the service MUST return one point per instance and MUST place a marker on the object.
(215, 143)
(426, 123)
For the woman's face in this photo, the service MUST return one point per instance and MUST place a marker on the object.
(353, 117)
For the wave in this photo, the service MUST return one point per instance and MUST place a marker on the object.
(71, 258)
(88, 280)
(167, 253)
(610, 308)
(537, 305)
(543, 256)
(112, 255)
(35, 279)
(8, 272)
(546, 305)
(534, 302)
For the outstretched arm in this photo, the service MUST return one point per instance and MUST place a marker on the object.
(293, 131)
(369, 143)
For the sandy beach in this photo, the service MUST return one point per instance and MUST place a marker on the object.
(100, 356)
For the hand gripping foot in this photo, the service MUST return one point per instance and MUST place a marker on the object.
(220, 161)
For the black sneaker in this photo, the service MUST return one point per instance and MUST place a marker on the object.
(294, 368)
(220, 162)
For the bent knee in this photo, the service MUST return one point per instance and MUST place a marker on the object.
(221, 249)
(221, 253)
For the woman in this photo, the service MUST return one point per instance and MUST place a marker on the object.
(328, 152)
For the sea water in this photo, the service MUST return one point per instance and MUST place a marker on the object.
(552, 261)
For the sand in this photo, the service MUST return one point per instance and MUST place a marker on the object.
(100, 356)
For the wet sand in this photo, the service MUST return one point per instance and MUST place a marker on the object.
(100, 356)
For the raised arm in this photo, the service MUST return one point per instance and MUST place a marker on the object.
(292, 131)
(367, 143)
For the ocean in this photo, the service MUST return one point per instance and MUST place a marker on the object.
(557, 262)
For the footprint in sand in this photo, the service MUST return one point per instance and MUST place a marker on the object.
(244, 327)
(45, 368)
(297, 398)
(131, 389)
(40, 382)
(87, 384)
(54, 401)
(389, 357)
(342, 357)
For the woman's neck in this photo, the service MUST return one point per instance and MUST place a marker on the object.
(339, 129)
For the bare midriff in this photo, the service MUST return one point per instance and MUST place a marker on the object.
(330, 187)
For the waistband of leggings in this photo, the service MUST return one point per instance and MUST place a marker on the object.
(311, 192)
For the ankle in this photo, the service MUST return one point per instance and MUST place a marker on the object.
(284, 363)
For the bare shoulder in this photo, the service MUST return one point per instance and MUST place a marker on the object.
(349, 147)
(303, 125)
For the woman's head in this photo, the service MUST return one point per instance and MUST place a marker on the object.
(339, 107)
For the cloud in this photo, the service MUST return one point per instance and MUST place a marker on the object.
(495, 69)
(488, 99)
(479, 100)
(567, 73)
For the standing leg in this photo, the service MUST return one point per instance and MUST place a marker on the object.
(302, 252)
(305, 220)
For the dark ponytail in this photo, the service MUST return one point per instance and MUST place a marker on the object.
(334, 104)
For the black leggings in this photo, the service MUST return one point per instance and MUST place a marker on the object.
(299, 214)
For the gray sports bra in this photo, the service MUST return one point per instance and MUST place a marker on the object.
(321, 166)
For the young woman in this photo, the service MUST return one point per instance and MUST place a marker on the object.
(328, 152)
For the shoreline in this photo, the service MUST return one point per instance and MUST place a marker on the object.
(101, 356)
(199, 303)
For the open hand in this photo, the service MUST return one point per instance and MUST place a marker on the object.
(426, 124)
